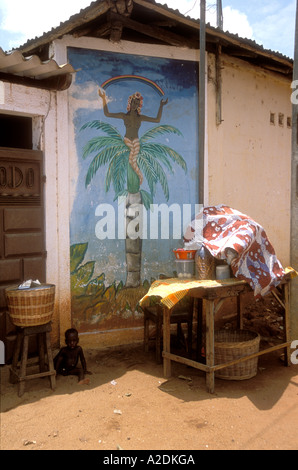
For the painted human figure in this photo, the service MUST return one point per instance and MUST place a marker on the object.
(66, 361)
(132, 121)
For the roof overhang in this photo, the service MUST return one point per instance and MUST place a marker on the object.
(31, 71)
(147, 21)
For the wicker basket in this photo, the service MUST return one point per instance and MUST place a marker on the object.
(32, 306)
(230, 345)
(205, 264)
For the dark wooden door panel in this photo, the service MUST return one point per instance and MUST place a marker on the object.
(22, 237)
(25, 218)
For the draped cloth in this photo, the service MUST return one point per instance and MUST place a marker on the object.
(223, 229)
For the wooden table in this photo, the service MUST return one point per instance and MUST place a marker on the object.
(213, 294)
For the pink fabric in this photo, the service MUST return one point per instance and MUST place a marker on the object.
(256, 261)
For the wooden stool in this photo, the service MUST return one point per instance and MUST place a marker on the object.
(178, 316)
(18, 374)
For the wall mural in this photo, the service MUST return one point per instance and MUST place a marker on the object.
(134, 179)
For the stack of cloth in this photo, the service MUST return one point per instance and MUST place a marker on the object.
(228, 234)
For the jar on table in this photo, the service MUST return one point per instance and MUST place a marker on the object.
(223, 271)
(204, 264)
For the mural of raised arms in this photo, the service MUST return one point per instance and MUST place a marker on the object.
(130, 160)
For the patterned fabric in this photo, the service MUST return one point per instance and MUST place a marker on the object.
(255, 259)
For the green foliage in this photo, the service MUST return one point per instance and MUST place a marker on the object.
(111, 150)
(88, 294)
(77, 254)
(92, 301)
(146, 199)
(81, 277)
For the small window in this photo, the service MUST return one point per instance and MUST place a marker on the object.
(16, 131)
(272, 118)
(289, 122)
(281, 117)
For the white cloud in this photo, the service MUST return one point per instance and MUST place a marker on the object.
(276, 31)
(237, 23)
(32, 18)
(84, 96)
(233, 20)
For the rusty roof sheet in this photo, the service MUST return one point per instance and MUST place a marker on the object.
(31, 67)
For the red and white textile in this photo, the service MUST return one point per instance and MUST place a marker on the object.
(255, 259)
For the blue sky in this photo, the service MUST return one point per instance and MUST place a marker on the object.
(270, 23)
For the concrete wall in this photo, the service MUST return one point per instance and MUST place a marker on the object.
(249, 157)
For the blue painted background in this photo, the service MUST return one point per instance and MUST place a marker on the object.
(179, 81)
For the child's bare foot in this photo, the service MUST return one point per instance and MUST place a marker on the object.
(84, 382)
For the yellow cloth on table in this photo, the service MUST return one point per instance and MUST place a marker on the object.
(174, 289)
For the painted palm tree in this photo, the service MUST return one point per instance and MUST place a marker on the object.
(129, 160)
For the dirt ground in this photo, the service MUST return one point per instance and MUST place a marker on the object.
(129, 405)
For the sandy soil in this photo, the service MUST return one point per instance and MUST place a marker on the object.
(129, 405)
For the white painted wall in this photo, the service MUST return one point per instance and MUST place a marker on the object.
(250, 158)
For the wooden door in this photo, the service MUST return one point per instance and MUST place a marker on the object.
(22, 234)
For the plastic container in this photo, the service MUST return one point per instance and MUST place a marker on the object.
(180, 253)
(185, 268)
(223, 271)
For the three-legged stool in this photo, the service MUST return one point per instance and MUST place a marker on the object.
(18, 374)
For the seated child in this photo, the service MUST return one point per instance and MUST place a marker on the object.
(67, 359)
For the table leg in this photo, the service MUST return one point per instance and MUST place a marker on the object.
(50, 361)
(166, 341)
(199, 310)
(286, 300)
(40, 341)
(210, 304)
(24, 359)
(16, 355)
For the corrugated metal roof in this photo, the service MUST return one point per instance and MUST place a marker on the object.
(244, 40)
(99, 7)
(31, 67)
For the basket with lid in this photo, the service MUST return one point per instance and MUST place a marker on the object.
(31, 306)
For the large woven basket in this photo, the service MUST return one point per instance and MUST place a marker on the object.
(31, 307)
(230, 345)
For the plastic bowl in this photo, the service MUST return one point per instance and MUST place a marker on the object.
(180, 253)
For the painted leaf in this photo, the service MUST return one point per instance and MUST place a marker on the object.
(96, 285)
(81, 277)
(110, 293)
(77, 254)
